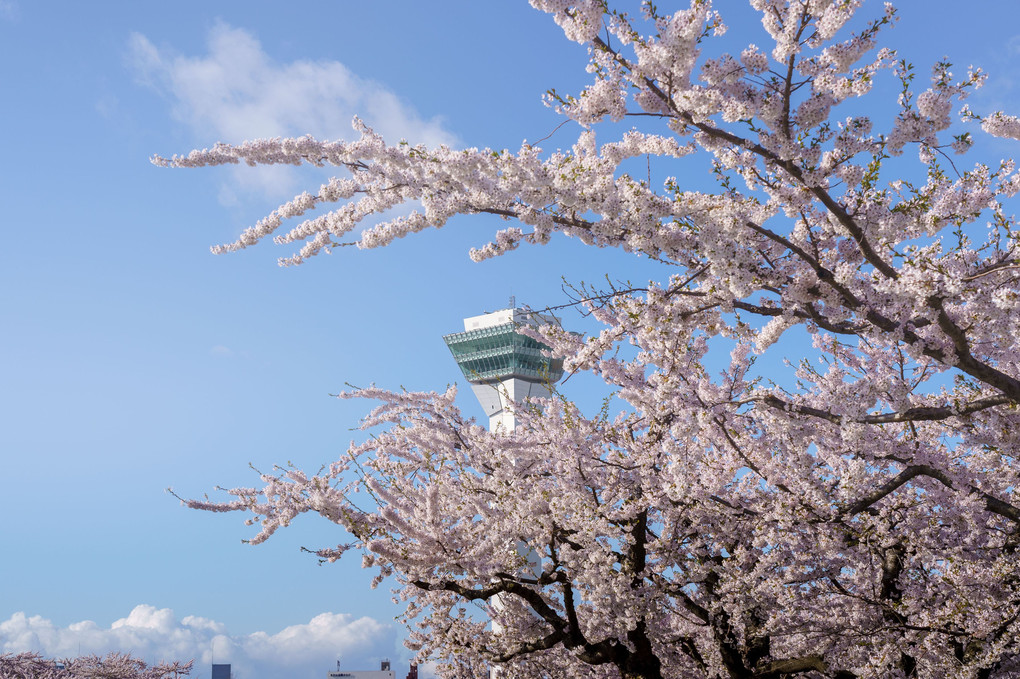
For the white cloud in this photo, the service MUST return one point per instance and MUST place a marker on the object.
(238, 92)
(8, 9)
(306, 650)
(220, 350)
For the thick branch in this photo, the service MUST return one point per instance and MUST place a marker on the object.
(796, 665)
(920, 414)
(533, 598)
(542, 644)
(992, 504)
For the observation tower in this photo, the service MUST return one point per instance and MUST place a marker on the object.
(504, 367)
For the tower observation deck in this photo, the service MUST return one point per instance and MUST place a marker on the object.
(503, 366)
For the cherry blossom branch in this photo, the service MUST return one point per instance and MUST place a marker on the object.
(918, 414)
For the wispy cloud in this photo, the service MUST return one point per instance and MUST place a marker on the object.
(309, 649)
(220, 350)
(8, 9)
(237, 91)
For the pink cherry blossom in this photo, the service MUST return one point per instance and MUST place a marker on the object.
(112, 666)
(852, 512)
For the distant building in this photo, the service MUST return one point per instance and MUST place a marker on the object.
(384, 672)
(221, 671)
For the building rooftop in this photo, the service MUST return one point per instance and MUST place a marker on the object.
(491, 350)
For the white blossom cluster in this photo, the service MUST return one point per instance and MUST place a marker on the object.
(854, 515)
(112, 666)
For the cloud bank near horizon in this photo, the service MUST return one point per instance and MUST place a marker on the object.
(306, 650)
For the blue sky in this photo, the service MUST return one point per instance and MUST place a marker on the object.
(131, 359)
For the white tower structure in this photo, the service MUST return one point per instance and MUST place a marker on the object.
(503, 366)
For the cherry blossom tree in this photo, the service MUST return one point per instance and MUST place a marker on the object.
(112, 666)
(851, 513)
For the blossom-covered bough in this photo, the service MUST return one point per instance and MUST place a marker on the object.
(112, 666)
(853, 515)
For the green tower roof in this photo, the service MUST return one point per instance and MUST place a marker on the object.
(498, 352)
